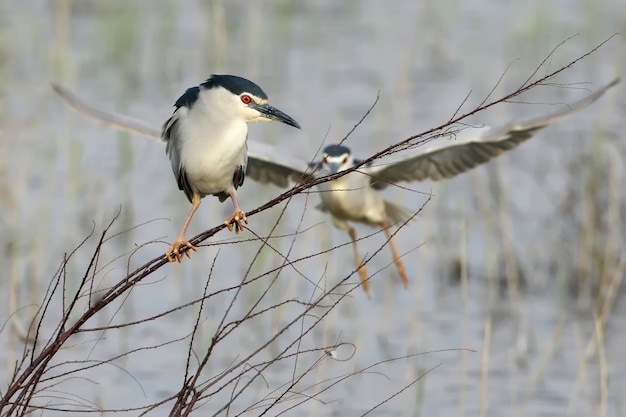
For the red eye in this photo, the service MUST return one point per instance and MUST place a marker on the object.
(246, 99)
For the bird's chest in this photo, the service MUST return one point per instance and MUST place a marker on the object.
(211, 155)
(345, 197)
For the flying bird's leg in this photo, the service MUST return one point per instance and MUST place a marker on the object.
(359, 262)
(238, 216)
(396, 256)
(173, 253)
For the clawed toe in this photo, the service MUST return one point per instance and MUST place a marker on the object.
(236, 220)
(173, 254)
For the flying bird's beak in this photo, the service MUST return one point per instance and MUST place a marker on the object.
(333, 167)
(272, 113)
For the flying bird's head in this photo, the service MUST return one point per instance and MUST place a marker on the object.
(336, 158)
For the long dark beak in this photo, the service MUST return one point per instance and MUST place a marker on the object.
(333, 167)
(272, 113)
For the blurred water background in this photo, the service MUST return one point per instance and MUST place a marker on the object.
(510, 260)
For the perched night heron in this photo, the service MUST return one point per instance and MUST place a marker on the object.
(354, 197)
(206, 143)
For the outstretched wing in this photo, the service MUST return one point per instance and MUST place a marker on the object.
(266, 163)
(468, 149)
(112, 119)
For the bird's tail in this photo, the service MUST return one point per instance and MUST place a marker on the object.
(397, 214)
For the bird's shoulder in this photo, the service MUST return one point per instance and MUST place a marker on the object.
(188, 98)
(182, 106)
(317, 165)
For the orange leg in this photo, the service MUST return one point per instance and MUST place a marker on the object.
(396, 256)
(359, 262)
(238, 216)
(173, 253)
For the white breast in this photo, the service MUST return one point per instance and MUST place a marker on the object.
(213, 149)
(351, 198)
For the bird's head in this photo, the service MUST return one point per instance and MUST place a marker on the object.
(243, 99)
(336, 158)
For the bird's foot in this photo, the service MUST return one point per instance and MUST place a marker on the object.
(173, 253)
(236, 220)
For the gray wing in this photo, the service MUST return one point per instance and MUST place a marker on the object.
(266, 164)
(112, 119)
(448, 160)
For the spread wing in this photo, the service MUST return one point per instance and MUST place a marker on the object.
(112, 119)
(266, 163)
(467, 150)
